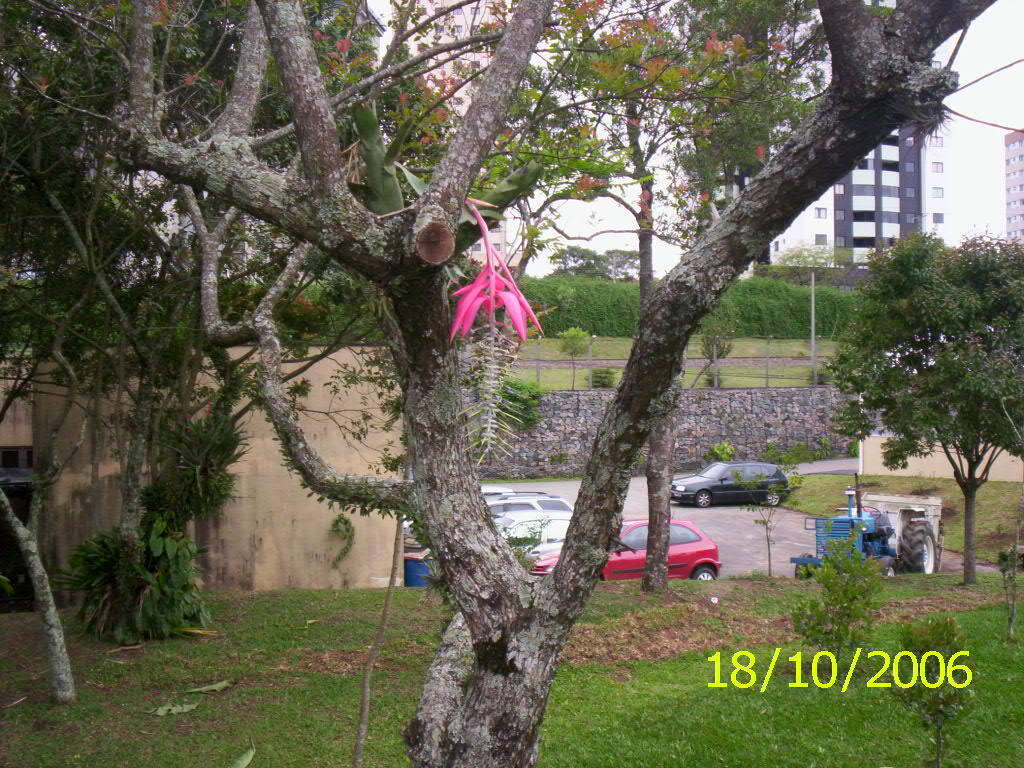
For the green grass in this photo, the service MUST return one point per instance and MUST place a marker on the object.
(736, 377)
(297, 686)
(997, 503)
(617, 348)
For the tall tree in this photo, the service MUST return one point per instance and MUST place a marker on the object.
(926, 355)
(486, 691)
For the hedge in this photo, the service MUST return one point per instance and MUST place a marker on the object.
(755, 306)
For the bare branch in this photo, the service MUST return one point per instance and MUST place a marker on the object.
(237, 116)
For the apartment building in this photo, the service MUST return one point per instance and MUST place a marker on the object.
(899, 188)
(1014, 143)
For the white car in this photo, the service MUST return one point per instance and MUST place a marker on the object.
(540, 531)
(490, 491)
(503, 506)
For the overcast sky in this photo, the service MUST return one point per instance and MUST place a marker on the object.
(974, 152)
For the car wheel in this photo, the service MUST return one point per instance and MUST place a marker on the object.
(703, 498)
(772, 499)
(704, 573)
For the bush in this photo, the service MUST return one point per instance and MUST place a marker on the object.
(935, 707)
(724, 451)
(599, 307)
(521, 401)
(754, 307)
(843, 616)
(603, 378)
(854, 449)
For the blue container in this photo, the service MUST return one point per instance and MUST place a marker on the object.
(416, 573)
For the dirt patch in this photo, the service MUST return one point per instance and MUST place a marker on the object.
(679, 623)
(951, 600)
(332, 662)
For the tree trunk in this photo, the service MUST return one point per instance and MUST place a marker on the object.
(53, 631)
(660, 447)
(139, 424)
(970, 491)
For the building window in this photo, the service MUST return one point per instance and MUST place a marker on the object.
(938, 192)
(938, 218)
(938, 168)
(840, 189)
(476, 246)
(909, 141)
(863, 242)
(821, 239)
(863, 189)
(776, 244)
(863, 215)
(821, 213)
(909, 192)
(890, 165)
(891, 141)
(890, 191)
(864, 165)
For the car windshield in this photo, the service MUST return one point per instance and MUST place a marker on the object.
(715, 471)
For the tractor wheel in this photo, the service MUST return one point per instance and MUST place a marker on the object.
(917, 548)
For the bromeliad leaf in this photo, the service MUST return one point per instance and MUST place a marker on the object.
(245, 758)
(211, 688)
(173, 709)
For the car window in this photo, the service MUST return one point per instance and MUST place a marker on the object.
(714, 471)
(517, 507)
(496, 509)
(556, 505)
(636, 538)
(750, 472)
(680, 534)
(554, 531)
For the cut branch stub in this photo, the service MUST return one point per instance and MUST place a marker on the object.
(435, 241)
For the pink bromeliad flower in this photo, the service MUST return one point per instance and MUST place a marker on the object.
(493, 289)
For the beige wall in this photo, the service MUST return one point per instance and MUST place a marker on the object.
(934, 465)
(16, 428)
(271, 535)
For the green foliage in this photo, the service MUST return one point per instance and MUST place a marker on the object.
(135, 592)
(843, 616)
(754, 307)
(195, 483)
(603, 378)
(933, 350)
(724, 451)
(572, 342)
(797, 453)
(716, 336)
(600, 307)
(521, 401)
(6, 588)
(936, 707)
(574, 261)
(342, 528)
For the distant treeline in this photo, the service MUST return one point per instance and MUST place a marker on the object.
(753, 307)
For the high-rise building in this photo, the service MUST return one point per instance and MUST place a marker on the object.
(1014, 143)
(897, 189)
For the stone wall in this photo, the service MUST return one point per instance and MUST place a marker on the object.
(750, 419)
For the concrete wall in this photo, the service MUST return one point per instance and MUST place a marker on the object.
(750, 419)
(272, 535)
(1006, 467)
(16, 428)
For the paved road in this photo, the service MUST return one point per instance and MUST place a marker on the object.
(740, 541)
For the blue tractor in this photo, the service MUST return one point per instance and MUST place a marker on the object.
(899, 532)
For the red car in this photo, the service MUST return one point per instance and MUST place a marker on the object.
(691, 554)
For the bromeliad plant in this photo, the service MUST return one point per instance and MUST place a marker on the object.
(496, 345)
(493, 289)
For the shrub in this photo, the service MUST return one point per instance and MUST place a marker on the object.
(842, 617)
(724, 451)
(521, 401)
(599, 307)
(773, 454)
(603, 378)
(854, 449)
(935, 707)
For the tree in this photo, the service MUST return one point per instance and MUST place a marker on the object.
(572, 342)
(574, 260)
(716, 338)
(485, 692)
(926, 357)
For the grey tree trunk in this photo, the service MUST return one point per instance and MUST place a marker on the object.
(139, 425)
(61, 677)
(970, 491)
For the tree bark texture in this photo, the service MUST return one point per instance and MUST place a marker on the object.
(970, 559)
(61, 677)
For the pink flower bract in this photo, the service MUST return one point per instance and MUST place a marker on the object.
(494, 288)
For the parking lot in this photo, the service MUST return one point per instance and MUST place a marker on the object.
(741, 543)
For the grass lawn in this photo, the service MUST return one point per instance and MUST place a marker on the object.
(736, 377)
(997, 504)
(617, 348)
(632, 691)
